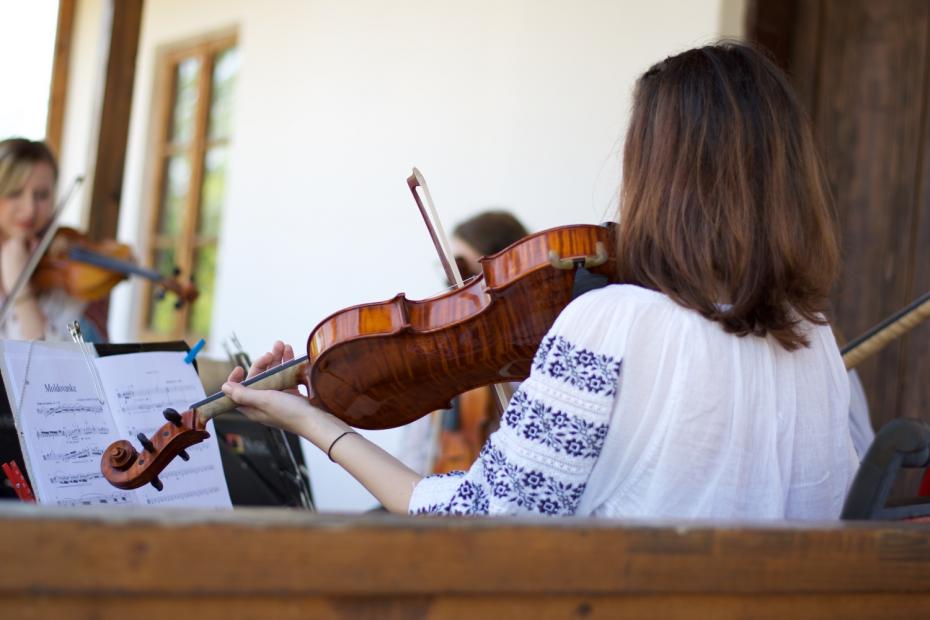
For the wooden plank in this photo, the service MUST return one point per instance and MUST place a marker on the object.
(61, 63)
(74, 553)
(449, 606)
(868, 118)
(115, 111)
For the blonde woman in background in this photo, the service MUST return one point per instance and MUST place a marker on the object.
(28, 173)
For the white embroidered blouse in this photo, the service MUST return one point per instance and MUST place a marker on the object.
(637, 407)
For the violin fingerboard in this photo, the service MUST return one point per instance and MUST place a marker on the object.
(287, 377)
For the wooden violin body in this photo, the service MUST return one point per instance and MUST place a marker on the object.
(385, 364)
(80, 280)
(88, 270)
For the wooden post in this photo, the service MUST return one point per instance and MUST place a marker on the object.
(58, 91)
(114, 115)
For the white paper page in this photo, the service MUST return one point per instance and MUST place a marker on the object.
(63, 425)
(138, 392)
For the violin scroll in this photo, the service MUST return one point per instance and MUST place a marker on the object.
(126, 467)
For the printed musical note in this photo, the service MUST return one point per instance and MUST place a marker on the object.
(87, 408)
(177, 474)
(73, 433)
(62, 479)
(133, 400)
(186, 495)
(93, 499)
(74, 456)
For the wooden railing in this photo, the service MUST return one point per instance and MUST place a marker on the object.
(57, 563)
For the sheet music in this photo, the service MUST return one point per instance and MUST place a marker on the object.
(138, 393)
(63, 425)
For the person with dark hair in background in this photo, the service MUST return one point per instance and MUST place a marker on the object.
(707, 384)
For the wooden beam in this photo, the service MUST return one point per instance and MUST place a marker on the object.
(114, 117)
(287, 563)
(61, 64)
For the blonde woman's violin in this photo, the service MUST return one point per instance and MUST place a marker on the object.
(88, 270)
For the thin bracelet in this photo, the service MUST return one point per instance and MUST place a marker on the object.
(329, 452)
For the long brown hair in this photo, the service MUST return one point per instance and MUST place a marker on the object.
(724, 206)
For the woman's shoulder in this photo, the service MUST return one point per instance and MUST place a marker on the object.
(613, 303)
(597, 319)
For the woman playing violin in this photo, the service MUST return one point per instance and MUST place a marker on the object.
(707, 384)
(28, 173)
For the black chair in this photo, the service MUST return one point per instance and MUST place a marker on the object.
(903, 442)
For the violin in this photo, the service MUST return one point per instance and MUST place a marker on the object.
(385, 364)
(88, 271)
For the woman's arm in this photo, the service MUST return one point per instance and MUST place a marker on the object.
(389, 480)
(13, 258)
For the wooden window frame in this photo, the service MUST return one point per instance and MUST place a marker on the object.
(206, 49)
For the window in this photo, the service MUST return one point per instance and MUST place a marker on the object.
(194, 108)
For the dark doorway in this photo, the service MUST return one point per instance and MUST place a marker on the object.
(861, 67)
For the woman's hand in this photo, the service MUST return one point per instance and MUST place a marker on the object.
(285, 409)
(387, 478)
(14, 254)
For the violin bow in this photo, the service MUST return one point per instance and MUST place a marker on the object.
(891, 328)
(443, 248)
(47, 237)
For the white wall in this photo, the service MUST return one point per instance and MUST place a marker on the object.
(27, 45)
(82, 112)
(519, 104)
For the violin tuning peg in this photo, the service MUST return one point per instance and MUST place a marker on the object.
(184, 455)
(146, 442)
(157, 484)
(179, 304)
(176, 271)
(160, 294)
(172, 416)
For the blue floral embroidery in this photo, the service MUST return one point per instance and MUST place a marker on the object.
(455, 473)
(470, 498)
(542, 352)
(580, 368)
(514, 412)
(496, 482)
(529, 489)
(508, 483)
(432, 509)
(561, 432)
